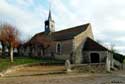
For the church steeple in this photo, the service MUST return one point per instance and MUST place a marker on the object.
(50, 16)
(49, 24)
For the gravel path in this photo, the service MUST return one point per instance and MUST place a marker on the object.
(36, 70)
(66, 79)
(24, 77)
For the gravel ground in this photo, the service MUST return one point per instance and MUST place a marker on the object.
(36, 70)
(25, 76)
(66, 79)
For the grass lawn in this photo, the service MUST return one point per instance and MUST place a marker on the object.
(5, 62)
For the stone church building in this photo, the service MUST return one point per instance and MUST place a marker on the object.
(76, 44)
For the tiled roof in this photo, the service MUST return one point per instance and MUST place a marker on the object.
(42, 38)
(39, 39)
(91, 45)
(69, 33)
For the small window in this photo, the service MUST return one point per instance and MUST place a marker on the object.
(58, 48)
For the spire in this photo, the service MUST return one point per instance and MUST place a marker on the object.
(50, 16)
(49, 24)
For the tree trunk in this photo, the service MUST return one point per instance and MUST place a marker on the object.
(3, 48)
(43, 52)
(11, 53)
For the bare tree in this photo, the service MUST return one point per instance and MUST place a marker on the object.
(2, 39)
(112, 48)
(9, 37)
(109, 46)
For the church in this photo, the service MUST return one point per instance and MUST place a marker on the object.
(76, 44)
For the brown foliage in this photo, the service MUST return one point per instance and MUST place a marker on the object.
(9, 35)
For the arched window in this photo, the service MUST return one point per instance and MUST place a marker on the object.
(58, 48)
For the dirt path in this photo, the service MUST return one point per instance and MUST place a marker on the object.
(36, 70)
(25, 76)
(66, 79)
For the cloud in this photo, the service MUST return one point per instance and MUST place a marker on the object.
(26, 21)
(62, 13)
(107, 18)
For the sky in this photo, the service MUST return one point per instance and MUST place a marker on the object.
(107, 18)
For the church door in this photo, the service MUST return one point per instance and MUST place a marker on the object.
(94, 58)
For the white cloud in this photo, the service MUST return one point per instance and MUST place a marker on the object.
(26, 21)
(121, 39)
(107, 17)
(63, 14)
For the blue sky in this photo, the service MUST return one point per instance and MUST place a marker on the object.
(106, 17)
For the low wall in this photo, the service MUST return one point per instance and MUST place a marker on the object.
(89, 67)
(12, 69)
(117, 64)
(62, 57)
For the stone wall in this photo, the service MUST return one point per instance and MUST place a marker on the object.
(89, 68)
(71, 46)
(78, 44)
(86, 56)
(105, 57)
(66, 49)
(62, 57)
(117, 64)
(67, 46)
(80, 38)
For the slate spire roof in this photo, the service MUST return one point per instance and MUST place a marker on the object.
(50, 16)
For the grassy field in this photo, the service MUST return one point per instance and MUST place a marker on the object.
(5, 62)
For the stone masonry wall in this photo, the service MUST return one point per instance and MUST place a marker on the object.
(89, 68)
(66, 50)
(82, 37)
(86, 56)
(78, 44)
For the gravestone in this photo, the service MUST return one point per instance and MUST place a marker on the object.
(1, 75)
(68, 66)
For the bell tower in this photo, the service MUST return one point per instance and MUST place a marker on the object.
(49, 24)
